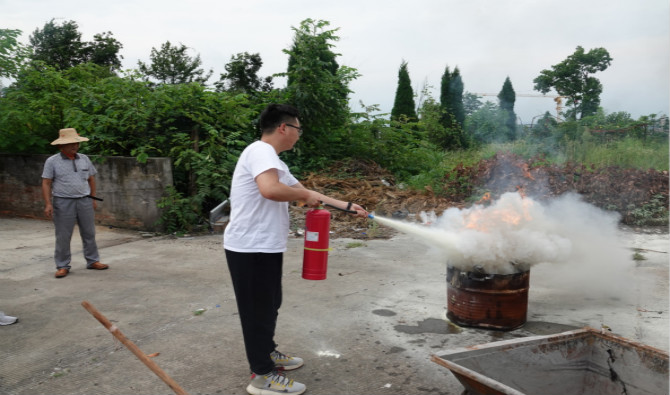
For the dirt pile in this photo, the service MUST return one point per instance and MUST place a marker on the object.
(375, 189)
(627, 191)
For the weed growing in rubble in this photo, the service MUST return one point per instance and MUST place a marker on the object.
(639, 257)
(178, 212)
(355, 244)
(59, 373)
(373, 229)
(654, 213)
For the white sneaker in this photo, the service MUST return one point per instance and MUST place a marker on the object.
(284, 362)
(274, 383)
(7, 319)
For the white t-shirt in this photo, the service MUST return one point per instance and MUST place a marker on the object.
(257, 224)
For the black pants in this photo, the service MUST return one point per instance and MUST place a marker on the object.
(256, 279)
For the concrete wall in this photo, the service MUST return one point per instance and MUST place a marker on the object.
(130, 189)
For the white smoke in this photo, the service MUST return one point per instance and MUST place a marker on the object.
(515, 233)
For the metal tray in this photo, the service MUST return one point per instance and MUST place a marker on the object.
(583, 361)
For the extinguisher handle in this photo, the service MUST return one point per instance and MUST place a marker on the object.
(341, 209)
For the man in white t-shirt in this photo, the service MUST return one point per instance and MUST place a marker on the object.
(255, 240)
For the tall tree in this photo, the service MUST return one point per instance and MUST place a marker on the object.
(451, 98)
(445, 99)
(61, 46)
(103, 51)
(320, 48)
(57, 45)
(319, 88)
(404, 95)
(242, 75)
(456, 93)
(573, 79)
(172, 65)
(12, 53)
(506, 99)
(453, 110)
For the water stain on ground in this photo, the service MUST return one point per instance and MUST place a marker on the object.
(429, 325)
(384, 312)
(394, 350)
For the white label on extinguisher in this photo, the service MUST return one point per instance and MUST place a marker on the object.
(312, 236)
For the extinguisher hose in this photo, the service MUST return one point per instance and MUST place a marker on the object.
(341, 209)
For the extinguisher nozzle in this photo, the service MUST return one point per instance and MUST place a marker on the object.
(371, 216)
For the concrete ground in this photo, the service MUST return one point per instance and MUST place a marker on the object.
(370, 328)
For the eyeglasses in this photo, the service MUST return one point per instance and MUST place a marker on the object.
(293, 126)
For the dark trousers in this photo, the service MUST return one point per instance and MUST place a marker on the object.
(256, 279)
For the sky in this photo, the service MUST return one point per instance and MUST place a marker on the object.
(488, 40)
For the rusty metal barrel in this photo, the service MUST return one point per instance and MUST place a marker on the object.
(490, 301)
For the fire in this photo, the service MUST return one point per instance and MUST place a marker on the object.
(484, 219)
(486, 198)
(526, 171)
(521, 191)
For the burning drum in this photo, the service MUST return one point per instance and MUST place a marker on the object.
(492, 301)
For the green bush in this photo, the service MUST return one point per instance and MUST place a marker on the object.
(178, 213)
(654, 213)
(204, 131)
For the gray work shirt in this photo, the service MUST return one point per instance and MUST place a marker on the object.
(69, 177)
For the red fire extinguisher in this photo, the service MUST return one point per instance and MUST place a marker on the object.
(317, 234)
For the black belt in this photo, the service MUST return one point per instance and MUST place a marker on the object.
(81, 197)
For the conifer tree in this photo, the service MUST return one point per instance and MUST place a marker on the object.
(506, 99)
(456, 93)
(404, 95)
(453, 111)
(445, 99)
(451, 98)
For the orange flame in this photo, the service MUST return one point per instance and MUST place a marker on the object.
(521, 191)
(486, 198)
(526, 171)
(485, 219)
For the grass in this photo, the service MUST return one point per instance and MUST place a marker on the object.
(627, 153)
(59, 373)
(637, 256)
(355, 244)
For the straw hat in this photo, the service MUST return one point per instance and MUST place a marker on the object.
(68, 136)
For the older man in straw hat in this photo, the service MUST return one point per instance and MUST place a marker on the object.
(68, 180)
